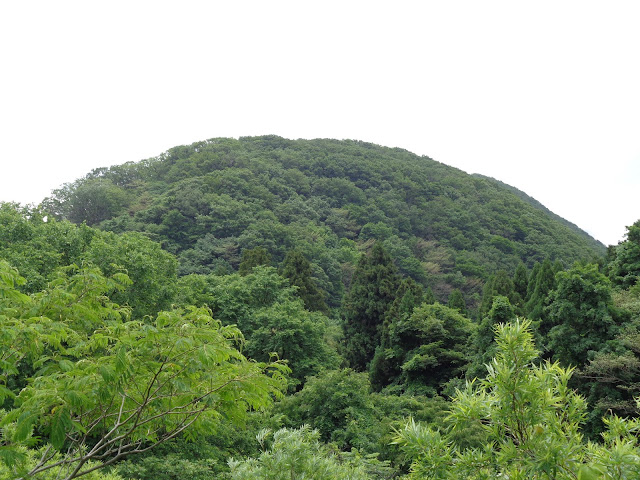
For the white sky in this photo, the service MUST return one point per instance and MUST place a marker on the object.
(542, 95)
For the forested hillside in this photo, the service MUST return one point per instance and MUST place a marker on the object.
(267, 308)
(211, 201)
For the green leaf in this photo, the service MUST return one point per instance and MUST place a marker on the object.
(24, 426)
(587, 472)
(60, 424)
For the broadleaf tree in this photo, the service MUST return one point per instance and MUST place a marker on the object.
(107, 389)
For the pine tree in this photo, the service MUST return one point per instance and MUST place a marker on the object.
(373, 288)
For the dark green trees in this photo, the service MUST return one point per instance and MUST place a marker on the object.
(372, 291)
(544, 282)
(582, 314)
(457, 302)
(385, 368)
(484, 341)
(431, 347)
(297, 269)
(625, 267)
(521, 281)
(498, 284)
(252, 257)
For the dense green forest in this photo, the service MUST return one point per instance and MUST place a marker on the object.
(210, 202)
(267, 308)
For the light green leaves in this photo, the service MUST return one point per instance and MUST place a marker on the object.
(105, 386)
(532, 420)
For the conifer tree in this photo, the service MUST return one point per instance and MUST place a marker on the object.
(520, 283)
(297, 269)
(457, 302)
(384, 366)
(253, 257)
(484, 340)
(498, 284)
(373, 288)
(429, 298)
(521, 280)
(533, 276)
(545, 283)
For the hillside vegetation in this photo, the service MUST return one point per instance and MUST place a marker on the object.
(267, 308)
(210, 201)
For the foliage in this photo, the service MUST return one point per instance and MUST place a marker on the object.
(624, 267)
(372, 291)
(298, 270)
(499, 284)
(266, 309)
(582, 314)
(484, 346)
(443, 227)
(429, 347)
(38, 246)
(338, 404)
(545, 282)
(457, 302)
(532, 419)
(521, 281)
(295, 454)
(151, 270)
(105, 386)
(252, 257)
(611, 379)
(31, 458)
(384, 369)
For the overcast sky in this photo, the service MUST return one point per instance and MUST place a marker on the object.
(542, 95)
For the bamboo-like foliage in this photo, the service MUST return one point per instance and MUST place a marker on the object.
(532, 422)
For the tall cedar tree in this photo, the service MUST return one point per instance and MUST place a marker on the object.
(521, 281)
(533, 276)
(429, 297)
(545, 283)
(457, 302)
(520, 284)
(298, 270)
(253, 257)
(373, 288)
(499, 284)
(384, 367)
(431, 346)
(484, 340)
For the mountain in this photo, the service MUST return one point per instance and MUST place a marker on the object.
(594, 243)
(209, 202)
